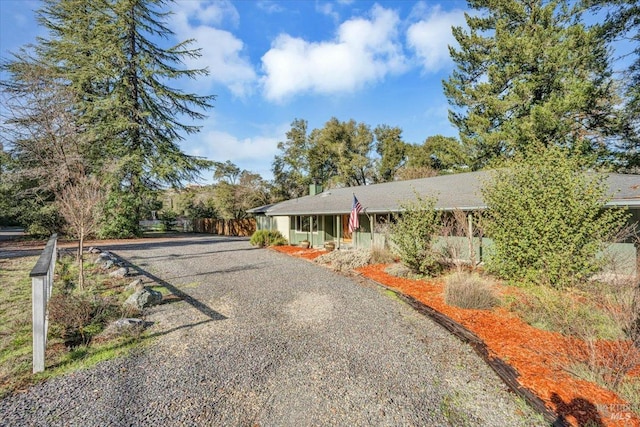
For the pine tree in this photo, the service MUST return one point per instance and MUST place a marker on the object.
(529, 73)
(622, 22)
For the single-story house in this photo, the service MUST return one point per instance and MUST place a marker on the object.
(323, 216)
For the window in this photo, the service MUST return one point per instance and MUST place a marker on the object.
(306, 224)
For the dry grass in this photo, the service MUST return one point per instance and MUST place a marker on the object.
(466, 290)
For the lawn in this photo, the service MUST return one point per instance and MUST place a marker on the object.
(61, 358)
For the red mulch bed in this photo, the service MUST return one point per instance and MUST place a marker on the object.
(538, 356)
(300, 252)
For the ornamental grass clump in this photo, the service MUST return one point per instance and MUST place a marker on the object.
(466, 290)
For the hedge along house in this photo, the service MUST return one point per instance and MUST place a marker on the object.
(323, 216)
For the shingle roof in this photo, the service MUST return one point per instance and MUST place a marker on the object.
(452, 191)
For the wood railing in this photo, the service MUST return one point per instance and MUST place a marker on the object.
(41, 285)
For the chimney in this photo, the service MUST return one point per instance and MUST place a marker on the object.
(315, 189)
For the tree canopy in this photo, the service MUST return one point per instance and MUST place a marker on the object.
(530, 73)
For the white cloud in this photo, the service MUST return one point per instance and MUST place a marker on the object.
(269, 6)
(327, 9)
(222, 52)
(431, 36)
(208, 13)
(253, 153)
(364, 51)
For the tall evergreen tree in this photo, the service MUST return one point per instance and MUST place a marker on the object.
(622, 24)
(108, 52)
(529, 73)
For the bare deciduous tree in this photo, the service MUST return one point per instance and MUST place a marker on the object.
(78, 203)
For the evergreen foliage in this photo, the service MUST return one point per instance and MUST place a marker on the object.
(547, 219)
(104, 54)
(529, 73)
(264, 238)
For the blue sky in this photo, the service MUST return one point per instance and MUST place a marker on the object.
(273, 61)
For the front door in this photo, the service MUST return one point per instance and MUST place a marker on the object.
(346, 234)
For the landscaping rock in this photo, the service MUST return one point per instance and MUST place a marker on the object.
(136, 285)
(107, 265)
(144, 298)
(102, 257)
(126, 325)
(93, 250)
(119, 273)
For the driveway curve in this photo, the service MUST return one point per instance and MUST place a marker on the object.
(255, 337)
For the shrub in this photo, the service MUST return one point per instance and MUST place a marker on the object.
(345, 260)
(547, 219)
(381, 255)
(168, 218)
(413, 235)
(400, 270)
(73, 314)
(263, 238)
(41, 221)
(469, 291)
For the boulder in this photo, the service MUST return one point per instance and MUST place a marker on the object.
(104, 256)
(136, 286)
(126, 325)
(107, 265)
(143, 298)
(119, 273)
(93, 250)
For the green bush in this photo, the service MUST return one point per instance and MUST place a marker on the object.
(413, 234)
(119, 218)
(547, 219)
(41, 221)
(469, 291)
(168, 218)
(263, 238)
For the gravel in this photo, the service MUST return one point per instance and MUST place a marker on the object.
(260, 338)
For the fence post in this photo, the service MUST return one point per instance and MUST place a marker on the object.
(41, 287)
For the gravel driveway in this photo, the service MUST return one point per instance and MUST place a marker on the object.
(260, 338)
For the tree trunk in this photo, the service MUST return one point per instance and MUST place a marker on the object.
(80, 261)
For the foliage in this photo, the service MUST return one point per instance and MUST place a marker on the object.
(381, 255)
(168, 218)
(622, 22)
(115, 75)
(291, 168)
(119, 218)
(340, 154)
(15, 327)
(528, 72)
(345, 260)
(41, 220)
(469, 291)
(392, 151)
(263, 238)
(547, 219)
(413, 235)
(440, 153)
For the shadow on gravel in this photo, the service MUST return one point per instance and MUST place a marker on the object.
(201, 307)
(179, 241)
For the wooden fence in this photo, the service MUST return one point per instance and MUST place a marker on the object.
(232, 227)
(41, 285)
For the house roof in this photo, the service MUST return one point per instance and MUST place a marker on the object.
(461, 191)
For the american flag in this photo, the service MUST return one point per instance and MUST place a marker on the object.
(354, 222)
